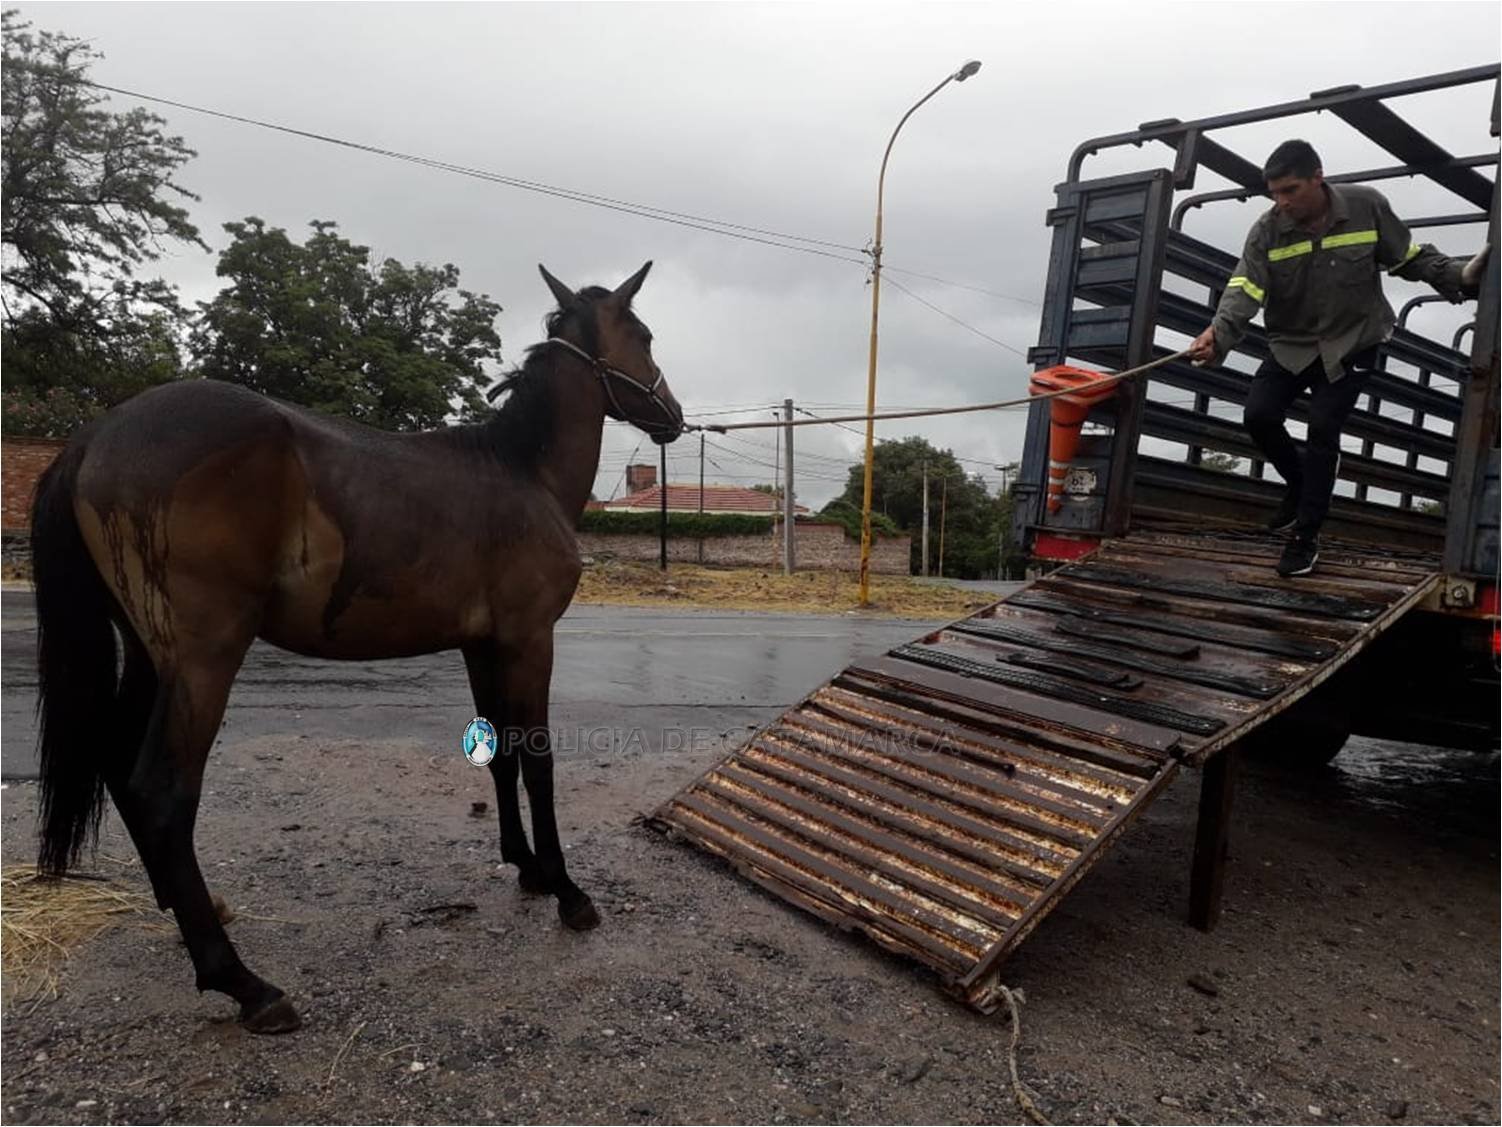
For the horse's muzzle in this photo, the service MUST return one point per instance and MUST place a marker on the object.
(672, 429)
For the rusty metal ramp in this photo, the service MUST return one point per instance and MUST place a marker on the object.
(943, 797)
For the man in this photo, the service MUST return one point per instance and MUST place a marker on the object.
(1313, 263)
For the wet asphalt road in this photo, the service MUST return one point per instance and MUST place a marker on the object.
(625, 677)
(631, 681)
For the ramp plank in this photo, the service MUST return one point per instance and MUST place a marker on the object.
(944, 797)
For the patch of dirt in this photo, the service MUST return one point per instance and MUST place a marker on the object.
(1353, 978)
(807, 592)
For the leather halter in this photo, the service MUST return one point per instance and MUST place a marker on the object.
(606, 373)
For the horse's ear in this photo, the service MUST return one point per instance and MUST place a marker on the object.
(627, 289)
(561, 293)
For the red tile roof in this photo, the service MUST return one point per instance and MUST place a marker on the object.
(717, 499)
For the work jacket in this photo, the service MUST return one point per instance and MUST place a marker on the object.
(1322, 296)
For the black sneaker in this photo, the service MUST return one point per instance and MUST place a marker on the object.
(1286, 516)
(1299, 557)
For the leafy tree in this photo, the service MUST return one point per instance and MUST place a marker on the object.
(398, 347)
(844, 513)
(87, 198)
(772, 490)
(972, 517)
(56, 382)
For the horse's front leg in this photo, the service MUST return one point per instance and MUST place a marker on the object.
(527, 673)
(485, 683)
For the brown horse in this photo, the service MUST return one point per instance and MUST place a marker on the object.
(200, 516)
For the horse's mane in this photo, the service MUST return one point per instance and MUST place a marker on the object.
(519, 430)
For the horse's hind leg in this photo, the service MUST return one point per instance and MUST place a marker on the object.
(140, 712)
(163, 793)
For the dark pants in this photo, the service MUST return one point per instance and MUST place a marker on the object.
(1310, 474)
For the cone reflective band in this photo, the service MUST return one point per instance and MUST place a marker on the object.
(1083, 389)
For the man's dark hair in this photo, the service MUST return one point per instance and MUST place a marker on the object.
(1292, 158)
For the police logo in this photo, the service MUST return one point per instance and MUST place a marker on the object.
(479, 741)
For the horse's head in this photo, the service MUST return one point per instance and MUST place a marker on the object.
(599, 325)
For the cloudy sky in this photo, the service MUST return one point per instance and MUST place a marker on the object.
(773, 116)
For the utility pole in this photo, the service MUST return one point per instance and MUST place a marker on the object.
(776, 475)
(925, 520)
(960, 75)
(943, 508)
(776, 459)
(787, 493)
(701, 494)
(662, 523)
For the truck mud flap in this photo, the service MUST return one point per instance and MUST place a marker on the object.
(942, 798)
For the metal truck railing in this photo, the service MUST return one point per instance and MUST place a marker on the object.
(1127, 284)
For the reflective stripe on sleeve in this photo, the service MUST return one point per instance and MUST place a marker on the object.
(1413, 252)
(1292, 250)
(1250, 288)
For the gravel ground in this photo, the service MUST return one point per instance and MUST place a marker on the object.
(1354, 976)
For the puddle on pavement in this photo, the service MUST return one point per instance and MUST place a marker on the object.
(1452, 794)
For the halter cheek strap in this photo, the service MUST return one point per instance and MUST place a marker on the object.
(607, 373)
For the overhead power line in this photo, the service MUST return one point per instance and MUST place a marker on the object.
(1105, 380)
(646, 211)
(764, 447)
(842, 426)
(964, 286)
(729, 411)
(956, 320)
(622, 480)
(991, 462)
(766, 236)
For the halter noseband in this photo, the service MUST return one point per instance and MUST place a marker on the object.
(606, 373)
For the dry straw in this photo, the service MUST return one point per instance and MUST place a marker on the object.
(44, 920)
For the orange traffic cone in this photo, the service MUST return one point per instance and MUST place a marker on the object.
(1066, 415)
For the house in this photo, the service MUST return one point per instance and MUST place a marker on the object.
(819, 544)
(644, 495)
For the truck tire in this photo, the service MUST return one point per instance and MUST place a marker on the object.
(1292, 742)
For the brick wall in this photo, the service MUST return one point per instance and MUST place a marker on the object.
(23, 459)
(817, 547)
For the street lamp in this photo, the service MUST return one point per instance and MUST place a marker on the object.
(1006, 472)
(958, 76)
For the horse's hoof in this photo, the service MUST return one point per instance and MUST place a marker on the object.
(532, 881)
(580, 916)
(274, 1017)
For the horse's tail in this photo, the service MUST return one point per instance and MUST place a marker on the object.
(76, 678)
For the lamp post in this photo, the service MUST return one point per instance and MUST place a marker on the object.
(958, 76)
